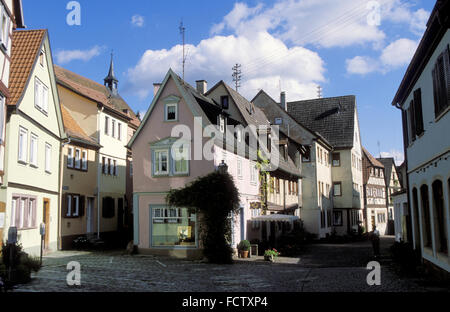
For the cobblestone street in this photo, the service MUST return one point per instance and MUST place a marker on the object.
(323, 267)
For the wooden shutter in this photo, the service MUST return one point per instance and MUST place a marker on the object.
(82, 205)
(418, 115)
(405, 127)
(412, 122)
(65, 206)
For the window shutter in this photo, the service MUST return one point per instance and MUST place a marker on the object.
(45, 99)
(18, 204)
(405, 127)
(418, 111)
(65, 206)
(25, 213)
(33, 221)
(82, 205)
(412, 122)
(447, 72)
(36, 93)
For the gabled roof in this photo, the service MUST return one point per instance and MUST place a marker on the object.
(373, 161)
(388, 163)
(251, 114)
(333, 118)
(96, 92)
(74, 131)
(314, 133)
(26, 46)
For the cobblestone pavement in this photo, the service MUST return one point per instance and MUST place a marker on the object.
(321, 268)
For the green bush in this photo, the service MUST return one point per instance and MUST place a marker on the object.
(21, 265)
(244, 245)
(215, 196)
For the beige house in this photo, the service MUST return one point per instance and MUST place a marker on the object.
(11, 18)
(336, 119)
(79, 212)
(34, 132)
(315, 188)
(105, 118)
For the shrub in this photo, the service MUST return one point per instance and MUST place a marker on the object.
(215, 196)
(21, 265)
(271, 252)
(244, 245)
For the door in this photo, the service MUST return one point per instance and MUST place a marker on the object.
(90, 215)
(46, 221)
(373, 222)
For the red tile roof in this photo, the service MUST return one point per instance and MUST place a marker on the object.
(372, 159)
(73, 129)
(26, 46)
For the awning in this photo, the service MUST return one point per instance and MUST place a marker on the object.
(276, 217)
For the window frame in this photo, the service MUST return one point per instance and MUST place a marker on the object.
(70, 157)
(84, 160)
(338, 159)
(166, 112)
(48, 157)
(77, 162)
(34, 150)
(338, 213)
(22, 154)
(157, 171)
(174, 161)
(340, 189)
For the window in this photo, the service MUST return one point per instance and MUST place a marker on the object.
(239, 135)
(224, 101)
(161, 166)
(253, 173)
(113, 128)
(4, 27)
(337, 218)
(439, 213)
(306, 155)
(171, 112)
(337, 189)
(426, 219)
(41, 58)
(40, 96)
(272, 185)
(23, 212)
(84, 164)
(239, 168)
(131, 168)
(180, 161)
(70, 157)
(48, 158)
(174, 227)
(119, 131)
(108, 207)
(106, 125)
(110, 166)
(115, 173)
(415, 116)
(23, 144)
(381, 217)
(104, 166)
(336, 159)
(441, 82)
(33, 150)
(277, 185)
(77, 159)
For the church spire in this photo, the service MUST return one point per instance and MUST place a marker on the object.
(111, 80)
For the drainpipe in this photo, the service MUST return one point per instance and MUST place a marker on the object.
(99, 172)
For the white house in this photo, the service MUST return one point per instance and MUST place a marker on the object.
(424, 99)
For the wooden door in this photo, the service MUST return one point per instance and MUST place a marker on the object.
(46, 221)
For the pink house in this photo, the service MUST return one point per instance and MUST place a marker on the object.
(174, 146)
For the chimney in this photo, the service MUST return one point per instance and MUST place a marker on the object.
(283, 102)
(202, 86)
(156, 87)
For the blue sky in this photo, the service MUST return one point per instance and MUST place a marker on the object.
(295, 45)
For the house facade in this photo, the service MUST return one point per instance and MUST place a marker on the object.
(105, 118)
(11, 16)
(336, 119)
(424, 100)
(375, 213)
(315, 188)
(402, 217)
(79, 215)
(34, 132)
(392, 182)
(178, 109)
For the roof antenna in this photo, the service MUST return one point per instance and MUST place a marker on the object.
(379, 148)
(319, 91)
(182, 32)
(237, 76)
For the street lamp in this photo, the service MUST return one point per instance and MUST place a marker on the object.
(223, 168)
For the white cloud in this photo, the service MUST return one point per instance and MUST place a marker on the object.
(395, 55)
(137, 20)
(399, 52)
(361, 65)
(67, 56)
(398, 156)
(299, 70)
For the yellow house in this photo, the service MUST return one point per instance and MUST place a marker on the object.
(79, 214)
(34, 131)
(105, 118)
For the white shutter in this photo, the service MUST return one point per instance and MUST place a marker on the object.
(48, 155)
(36, 93)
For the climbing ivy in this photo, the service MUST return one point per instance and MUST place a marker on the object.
(262, 165)
(214, 196)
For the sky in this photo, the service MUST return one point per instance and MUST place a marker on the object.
(357, 47)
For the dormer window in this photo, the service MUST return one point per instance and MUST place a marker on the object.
(171, 112)
(222, 124)
(224, 102)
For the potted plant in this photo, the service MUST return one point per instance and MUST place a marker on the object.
(271, 254)
(244, 248)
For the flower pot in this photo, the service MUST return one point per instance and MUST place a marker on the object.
(244, 253)
(269, 258)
